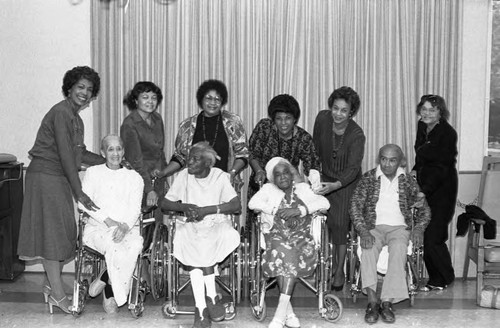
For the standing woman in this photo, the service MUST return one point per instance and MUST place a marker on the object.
(279, 136)
(340, 143)
(48, 226)
(222, 129)
(143, 136)
(435, 168)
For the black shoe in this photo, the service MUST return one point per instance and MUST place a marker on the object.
(371, 315)
(199, 322)
(217, 310)
(338, 288)
(386, 312)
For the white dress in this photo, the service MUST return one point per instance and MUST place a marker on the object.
(118, 194)
(210, 241)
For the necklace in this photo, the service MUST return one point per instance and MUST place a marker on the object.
(293, 146)
(341, 142)
(288, 204)
(216, 129)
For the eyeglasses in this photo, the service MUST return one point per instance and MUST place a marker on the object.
(216, 100)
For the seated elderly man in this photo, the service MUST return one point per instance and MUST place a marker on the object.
(206, 237)
(111, 229)
(381, 214)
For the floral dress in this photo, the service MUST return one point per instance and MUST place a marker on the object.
(290, 249)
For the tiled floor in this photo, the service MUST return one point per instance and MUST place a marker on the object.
(21, 305)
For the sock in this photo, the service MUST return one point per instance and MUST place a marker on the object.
(105, 277)
(210, 286)
(198, 286)
(281, 310)
(289, 309)
(108, 291)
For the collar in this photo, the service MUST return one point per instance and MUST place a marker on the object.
(379, 173)
(136, 117)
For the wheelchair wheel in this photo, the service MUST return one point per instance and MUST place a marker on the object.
(230, 311)
(333, 308)
(86, 271)
(138, 309)
(169, 310)
(258, 311)
(158, 261)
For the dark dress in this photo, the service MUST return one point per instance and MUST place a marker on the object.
(435, 164)
(290, 251)
(344, 167)
(48, 226)
(144, 150)
(265, 144)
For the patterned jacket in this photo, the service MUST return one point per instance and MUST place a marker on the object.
(238, 145)
(365, 198)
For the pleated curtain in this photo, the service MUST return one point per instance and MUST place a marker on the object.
(390, 51)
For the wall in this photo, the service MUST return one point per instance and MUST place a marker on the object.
(41, 39)
(39, 42)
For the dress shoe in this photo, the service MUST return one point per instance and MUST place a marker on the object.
(371, 315)
(429, 287)
(386, 312)
(338, 288)
(62, 304)
(97, 286)
(291, 321)
(109, 304)
(216, 310)
(200, 322)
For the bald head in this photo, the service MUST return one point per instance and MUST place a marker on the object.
(390, 158)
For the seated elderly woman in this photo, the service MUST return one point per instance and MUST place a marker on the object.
(111, 229)
(286, 204)
(206, 237)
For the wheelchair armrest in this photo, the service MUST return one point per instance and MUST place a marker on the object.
(148, 209)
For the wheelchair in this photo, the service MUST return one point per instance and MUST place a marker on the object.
(414, 268)
(88, 264)
(177, 279)
(330, 307)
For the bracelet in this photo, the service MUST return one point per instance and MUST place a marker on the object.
(218, 209)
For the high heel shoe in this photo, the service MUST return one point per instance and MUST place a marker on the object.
(46, 292)
(62, 304)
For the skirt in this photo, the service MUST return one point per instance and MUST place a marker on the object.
(48, 225)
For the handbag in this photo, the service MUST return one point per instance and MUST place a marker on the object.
(490, 298)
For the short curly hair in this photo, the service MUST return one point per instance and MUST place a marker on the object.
(76, 74)
(209, 85)
(283, 103)
(435, 101)
(349, 96)
(140, 87)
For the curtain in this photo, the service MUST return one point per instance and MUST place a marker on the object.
(390, 51)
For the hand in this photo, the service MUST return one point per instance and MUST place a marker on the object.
(120, 232)
(413, 173)
(152, 198)
(260, 177)
(126, 164)
(288, 213)
(328, 187)
(191, 212)
(420, 200)
(159, 173)
(417, 238)
(87, 202)
(111, 223)
(367, 240)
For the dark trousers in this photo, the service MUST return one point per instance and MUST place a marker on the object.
(436, 255)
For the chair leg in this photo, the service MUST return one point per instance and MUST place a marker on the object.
(466, 267)
(479, 286)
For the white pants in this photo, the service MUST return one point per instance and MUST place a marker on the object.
(120, 257)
